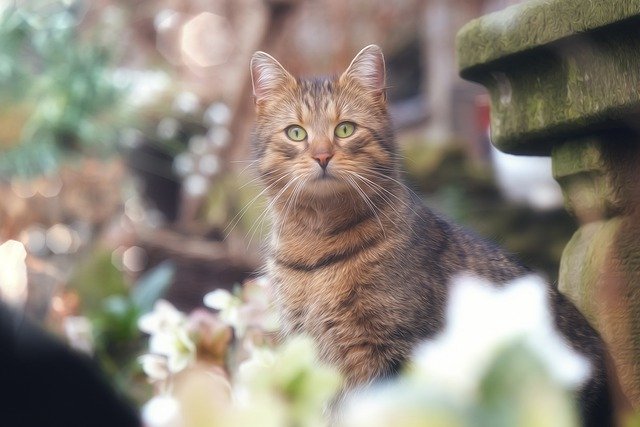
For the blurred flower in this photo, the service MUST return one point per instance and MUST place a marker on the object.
(196, 185)
(483, 319)
(204, 393)
(218, 136)
(155, 366)
(498, 362)
(209, 165)
(168, 128)
(163, 318)
(176, 346)
(79, 332)
(186, 103)
(183, 164)
(169, 335)
(291, 378)
(212, 336)
(229, 308)
(264, 410)
(218, 113)
(198, 144)
(260, 358)
(252, 308)
(162, 411)
(258, 309)
(402, 404)
(13, 273)
(143, 87)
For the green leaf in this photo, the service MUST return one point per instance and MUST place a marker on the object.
(152, 285)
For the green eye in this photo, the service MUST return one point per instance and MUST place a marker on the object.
(345, 129)
(296, 133)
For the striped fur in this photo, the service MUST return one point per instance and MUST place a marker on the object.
(360, 264)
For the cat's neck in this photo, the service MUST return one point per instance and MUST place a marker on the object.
(353, 212)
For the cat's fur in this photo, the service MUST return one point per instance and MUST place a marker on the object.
(358, 262)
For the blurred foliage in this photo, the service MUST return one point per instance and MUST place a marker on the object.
(266, 382)
(466, 193)
(114, 307)
(517, 390)
(57, 87)
(96, 279)
(237, 200)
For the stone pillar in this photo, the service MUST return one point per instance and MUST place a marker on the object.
(564, 81)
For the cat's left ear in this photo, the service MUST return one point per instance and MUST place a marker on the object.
(267, 76)
(367, 68)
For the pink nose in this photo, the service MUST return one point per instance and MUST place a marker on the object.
(323, 159)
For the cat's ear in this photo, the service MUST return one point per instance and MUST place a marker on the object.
(367, 68)
(267, 75)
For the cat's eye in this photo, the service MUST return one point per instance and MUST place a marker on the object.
(345, 129)
(296, 133)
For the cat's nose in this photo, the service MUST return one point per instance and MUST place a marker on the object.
(323, 158)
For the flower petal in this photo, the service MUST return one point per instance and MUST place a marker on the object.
(218, 299)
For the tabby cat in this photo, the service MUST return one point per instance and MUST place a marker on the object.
(358, 263)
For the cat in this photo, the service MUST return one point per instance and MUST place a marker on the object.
(358, 262)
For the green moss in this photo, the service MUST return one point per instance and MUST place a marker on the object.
(551, 88)
(535, 23)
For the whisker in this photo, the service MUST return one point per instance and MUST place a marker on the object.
(238, 217)
(367, 201)
(249, 164)
(400, 183)
(268, 174)
(272, 203)
(389, 201)
(371, 183)
(291, 202)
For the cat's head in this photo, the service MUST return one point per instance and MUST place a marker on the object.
(321, 137)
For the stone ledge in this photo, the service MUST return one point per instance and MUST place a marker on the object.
(575, 84)
(535, 23)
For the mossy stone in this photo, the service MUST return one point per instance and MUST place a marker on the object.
(555, 69)
(533, 24)
(582, 262)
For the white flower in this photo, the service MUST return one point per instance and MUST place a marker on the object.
(162, 411)
(79, 332)
(482, 319)
(169, 336)
(163, 318)
(400, 403)
(13, 273)
(176, 345)
(155, 366)
(260, 359)
(229, 306)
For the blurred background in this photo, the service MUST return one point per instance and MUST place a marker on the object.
(125, 160)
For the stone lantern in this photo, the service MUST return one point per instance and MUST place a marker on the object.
(564, 81)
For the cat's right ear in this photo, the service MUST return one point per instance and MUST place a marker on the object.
(368, 69)
(267, 75)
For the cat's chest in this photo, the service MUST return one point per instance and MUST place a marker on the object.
(330, 303)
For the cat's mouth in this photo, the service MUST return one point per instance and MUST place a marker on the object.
(325, 184)
(325, 176)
